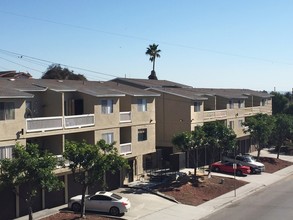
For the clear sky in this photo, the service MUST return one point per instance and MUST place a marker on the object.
(207, 43)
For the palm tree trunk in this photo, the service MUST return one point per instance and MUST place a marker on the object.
(154, 64)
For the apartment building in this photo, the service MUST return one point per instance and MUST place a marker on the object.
(181, 108)
(48, 112)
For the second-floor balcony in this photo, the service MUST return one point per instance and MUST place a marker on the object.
(57, 123)
(227, 113)
(125, 117)
(125, 149)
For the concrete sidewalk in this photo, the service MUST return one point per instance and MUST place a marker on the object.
(256, 182)
(186, 212)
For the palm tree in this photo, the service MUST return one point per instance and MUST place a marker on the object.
(153, 52)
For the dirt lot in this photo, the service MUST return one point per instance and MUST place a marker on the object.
(190, 195)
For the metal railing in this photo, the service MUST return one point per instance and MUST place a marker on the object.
(125, 149)
(57, 123)
(125, 117)
(77, 121)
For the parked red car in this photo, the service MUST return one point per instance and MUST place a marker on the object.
(227, 167)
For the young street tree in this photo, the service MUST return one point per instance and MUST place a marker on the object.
(31, 168)
(190, 142)
(89, 163)
(282, 131)
(260, 127)
(218, 138)
(154, 53)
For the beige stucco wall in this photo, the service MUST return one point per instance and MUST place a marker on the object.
(173, 115)
(107, 121)
(143, 117)
(10, 129)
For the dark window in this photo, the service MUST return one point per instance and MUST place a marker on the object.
(101, 198)
(7, 111)
(197, 106)
(141, 105)
(107, 106)
(142, 134)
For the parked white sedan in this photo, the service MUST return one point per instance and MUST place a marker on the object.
(101, 201)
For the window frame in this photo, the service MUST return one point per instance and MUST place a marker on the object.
(6, 152)
(142, 105)
(197, 106)
(142, 134)
(107, 106)
(7, 111)
(108, 137)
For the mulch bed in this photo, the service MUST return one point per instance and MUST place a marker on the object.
(188, 194)
(273, 164)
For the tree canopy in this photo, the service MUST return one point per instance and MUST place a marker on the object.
(89, 163)
(190, 141)
(218, 138)
(260, 127)
(31, 168)
(282, 131)
(55, 71)
(279, 103)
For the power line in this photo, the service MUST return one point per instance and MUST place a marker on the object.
(20, 64)
(146, 39)
(50, 62)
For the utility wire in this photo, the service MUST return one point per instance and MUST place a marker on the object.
(50, 62)
(20, 64)
(146, 39)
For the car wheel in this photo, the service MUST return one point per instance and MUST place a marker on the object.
(238, 172)
(76, 207)
(114, 211)
(252, 170)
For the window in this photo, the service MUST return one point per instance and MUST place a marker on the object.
(231, 124)
(240, 103)
(6, 152)
(7, 111)
(108, 137)
(197, 106)
(107, 106)
(231, 104)
(141, 105)
(142, 134)
(240, 122)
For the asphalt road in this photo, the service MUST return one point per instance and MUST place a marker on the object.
(273, 202)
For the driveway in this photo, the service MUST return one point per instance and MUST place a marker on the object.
(143, 203)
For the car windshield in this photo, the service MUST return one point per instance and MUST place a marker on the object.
(249, 159)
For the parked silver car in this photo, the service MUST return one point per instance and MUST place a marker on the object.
(101, 201)
(247, 160)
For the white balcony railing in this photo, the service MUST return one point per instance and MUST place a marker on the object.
(215, 114)
(44, 124)
(57, 123)
(125, 117)
(77, 121)
(62, 162)
(125, 149)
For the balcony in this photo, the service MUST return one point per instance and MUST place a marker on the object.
(58, 123)
(61, 161)
(77, 121)
(125, 117)
(125, 149)
(216, 114)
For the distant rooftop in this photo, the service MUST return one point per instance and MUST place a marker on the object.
(14, 74)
